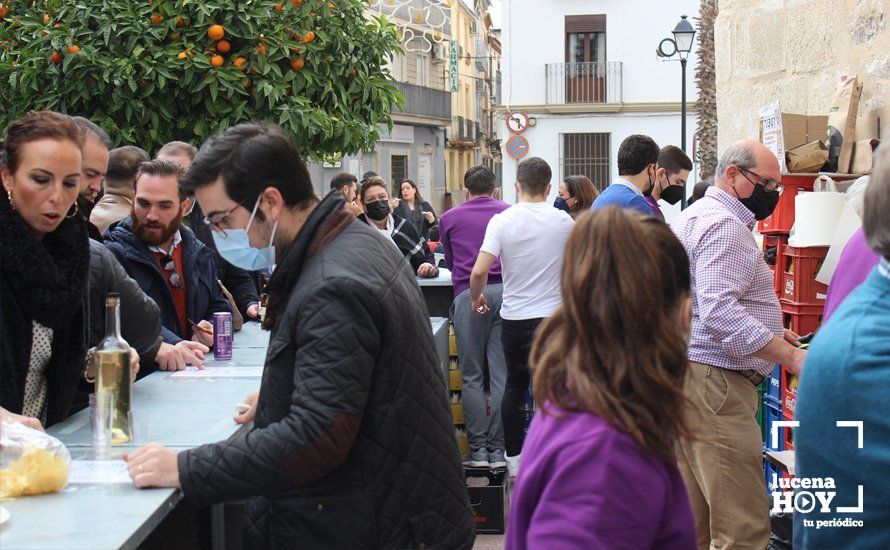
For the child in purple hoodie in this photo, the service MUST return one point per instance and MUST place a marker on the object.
(598, 466)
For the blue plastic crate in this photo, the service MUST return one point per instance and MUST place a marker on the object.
(774, 385)
(772, 414)
(768, 471)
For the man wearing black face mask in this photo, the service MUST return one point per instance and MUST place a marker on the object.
(637, 160)
(671, 174)
(737, 337)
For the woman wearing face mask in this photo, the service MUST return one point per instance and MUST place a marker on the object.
(609, 404)
(45, 268)
(413, 208)
(403, 235)
(579, 193)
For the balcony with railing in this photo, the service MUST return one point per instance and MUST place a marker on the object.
(424, 102)
(584, 82)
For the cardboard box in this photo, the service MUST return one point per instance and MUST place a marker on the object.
(781, 132)
(807, 159)
(488, 498)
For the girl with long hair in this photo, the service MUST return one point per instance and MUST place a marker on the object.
(598, 465)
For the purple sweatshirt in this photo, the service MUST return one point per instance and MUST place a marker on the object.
(856, 262)
(584, 484)
(461, 232)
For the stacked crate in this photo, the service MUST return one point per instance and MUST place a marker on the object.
(455, 384)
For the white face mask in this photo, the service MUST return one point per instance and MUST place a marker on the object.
(234, 247)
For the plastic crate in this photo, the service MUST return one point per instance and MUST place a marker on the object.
(772, 414)
(801, 318)
(789, 392)
(786, 434)
(782, 218)
(799, 267)
(774, 386)
(772, 475)
(774, 259)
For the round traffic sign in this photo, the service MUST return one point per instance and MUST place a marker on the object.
(517, 122)
(517, 146)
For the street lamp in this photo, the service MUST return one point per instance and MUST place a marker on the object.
(680, 44)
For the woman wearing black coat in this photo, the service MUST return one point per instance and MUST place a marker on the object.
(45, 268)
(413, 208)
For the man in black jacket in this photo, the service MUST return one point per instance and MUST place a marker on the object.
(353, 444)
(243, 285)
(174, 268)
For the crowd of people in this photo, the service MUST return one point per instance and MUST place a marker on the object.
(642, 343)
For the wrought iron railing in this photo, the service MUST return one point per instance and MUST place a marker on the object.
(584, 82)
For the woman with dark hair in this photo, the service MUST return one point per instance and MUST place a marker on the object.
(45, 268)
(598, 466)
(413, 208)
(579, 193)
(398, 230)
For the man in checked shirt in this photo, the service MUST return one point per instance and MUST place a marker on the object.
(737, 337)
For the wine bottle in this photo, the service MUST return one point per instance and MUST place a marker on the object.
(112, 361)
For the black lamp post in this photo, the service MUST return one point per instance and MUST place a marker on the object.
(680, 44)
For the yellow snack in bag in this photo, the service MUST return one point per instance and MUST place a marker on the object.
(31, 462)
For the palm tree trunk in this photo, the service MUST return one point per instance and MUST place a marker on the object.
(706, 80)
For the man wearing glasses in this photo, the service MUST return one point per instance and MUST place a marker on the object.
(737, 338)
(174, 268)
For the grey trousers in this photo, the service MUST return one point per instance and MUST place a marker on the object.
(478, 337)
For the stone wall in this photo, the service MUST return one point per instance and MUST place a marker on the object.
(795, 51)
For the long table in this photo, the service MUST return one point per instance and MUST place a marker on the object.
(182, 414)
(438, 293)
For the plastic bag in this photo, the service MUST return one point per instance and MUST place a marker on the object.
(31, 462)
(856, 194)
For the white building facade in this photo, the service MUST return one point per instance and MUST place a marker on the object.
(587, 75)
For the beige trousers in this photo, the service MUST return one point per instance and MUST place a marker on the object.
(722, 464)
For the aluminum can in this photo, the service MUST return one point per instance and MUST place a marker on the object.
(223, 333)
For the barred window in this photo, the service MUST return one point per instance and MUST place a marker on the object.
(587, 155)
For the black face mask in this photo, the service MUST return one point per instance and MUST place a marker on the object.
(672, 194)
(378, 211)
(761, 202)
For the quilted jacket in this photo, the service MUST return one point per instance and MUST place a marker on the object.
(353, 444)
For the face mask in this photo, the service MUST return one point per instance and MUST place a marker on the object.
(672, 194)
(234, 247)
(378, 211)
(761, 202)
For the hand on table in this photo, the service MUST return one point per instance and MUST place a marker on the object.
(203, 333)
(253, 311)
(427, 270)
(153, 466)
(480, 306)
(182, 354)
(248, 415)
(33, 423)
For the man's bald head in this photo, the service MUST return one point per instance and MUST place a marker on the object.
(741, 158)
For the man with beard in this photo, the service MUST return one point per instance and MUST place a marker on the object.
(96, 145)
(174, 268)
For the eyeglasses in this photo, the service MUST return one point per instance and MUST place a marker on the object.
(768, 184)
(170, 268)
(215, 225)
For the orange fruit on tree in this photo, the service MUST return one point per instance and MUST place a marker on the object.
(156, 18)
(217, 61)
(240, 63)
(297, 64)
(312, 14)
(223, 46)
(181, 55)
(180, 22)
(309, 37)
(279, 6)
(330, 4)
(297, 2)
(55, 58)
(46, 19)
(4, 11)
(216, 32)
(57, 26)
(74, 48)
(175, 38)
(261, 49)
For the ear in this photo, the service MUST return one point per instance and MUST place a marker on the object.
(466, 194)
(273, 202)
(186, 204)
(518, 191)
(496, 193)
(5, 177)
(549, 188)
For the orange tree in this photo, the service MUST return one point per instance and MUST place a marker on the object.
(158, 70)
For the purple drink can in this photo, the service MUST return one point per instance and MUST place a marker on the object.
(223, 333)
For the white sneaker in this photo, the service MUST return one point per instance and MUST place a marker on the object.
(513, 464)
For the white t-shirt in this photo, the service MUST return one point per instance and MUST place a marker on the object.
(530, 239)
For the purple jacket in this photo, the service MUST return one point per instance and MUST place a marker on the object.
(461, 232)
(856, 262)
(584, 484)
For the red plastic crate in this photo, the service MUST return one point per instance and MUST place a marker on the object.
(783, 216)
(799, 267)
(789, 391)
(801, 318)
(779, 242)
(789, 433)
